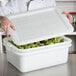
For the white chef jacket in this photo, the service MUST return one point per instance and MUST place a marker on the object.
(37, 4)
(8, 7)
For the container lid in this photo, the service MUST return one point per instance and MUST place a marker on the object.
(39, 25)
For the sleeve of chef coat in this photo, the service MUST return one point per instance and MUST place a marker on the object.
(14, 6)
(9, 8)
(36, 4)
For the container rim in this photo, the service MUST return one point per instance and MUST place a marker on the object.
(22, 51)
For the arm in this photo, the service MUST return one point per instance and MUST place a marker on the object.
(6, 24)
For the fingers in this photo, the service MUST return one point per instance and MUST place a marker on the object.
(6, 29)
(68, 16)
(13, 27)
(6, 24)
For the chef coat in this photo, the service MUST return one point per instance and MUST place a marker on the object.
(8, 7)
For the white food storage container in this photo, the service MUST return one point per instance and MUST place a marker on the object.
(36, 26)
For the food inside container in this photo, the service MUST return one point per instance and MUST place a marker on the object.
(39, 43)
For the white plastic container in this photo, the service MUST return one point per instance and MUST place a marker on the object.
(37, 58)
(45, 24)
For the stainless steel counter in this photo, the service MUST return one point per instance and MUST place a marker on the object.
(67, 69)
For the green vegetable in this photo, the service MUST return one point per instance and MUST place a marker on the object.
(39, 43)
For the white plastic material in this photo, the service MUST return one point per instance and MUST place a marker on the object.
(36, 26)
(37, 58)
(39, 25)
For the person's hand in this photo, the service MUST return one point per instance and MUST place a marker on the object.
(68, 16)
(6, 24)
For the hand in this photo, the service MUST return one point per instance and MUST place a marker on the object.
(6, 24)
(68, 16)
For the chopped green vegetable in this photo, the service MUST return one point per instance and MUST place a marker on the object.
(39, 43)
